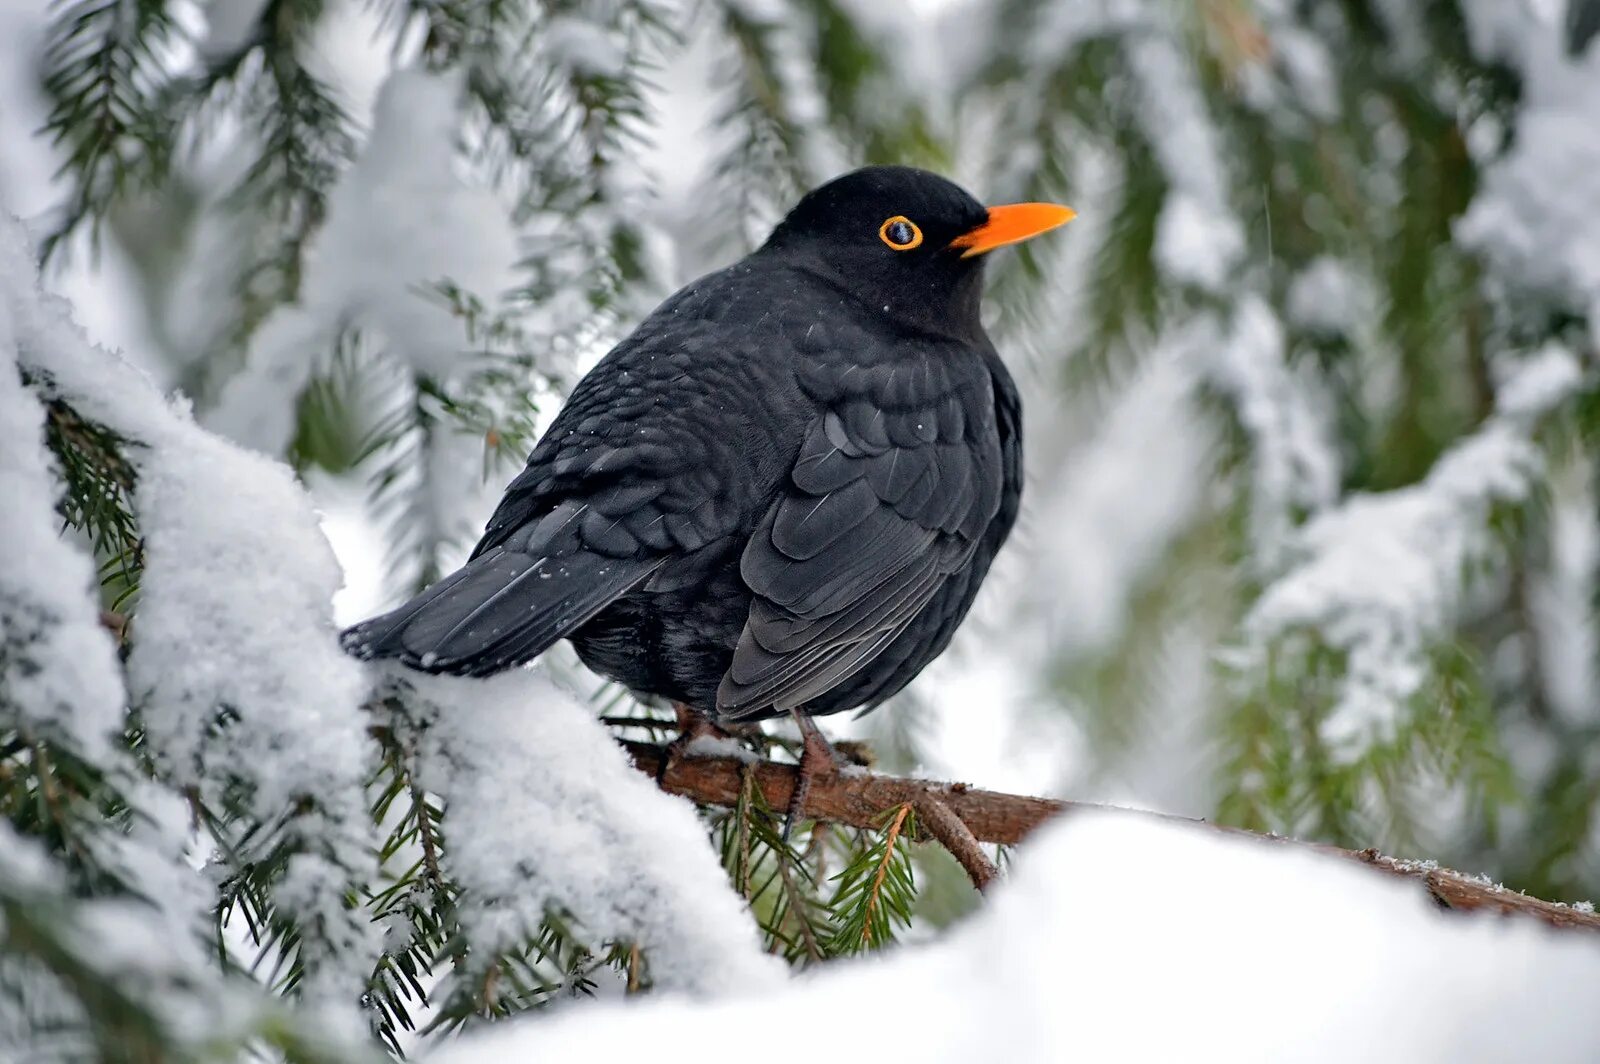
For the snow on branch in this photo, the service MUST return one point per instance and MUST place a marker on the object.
(1380, 576)
(400, 219)
(1199, 239)
(1295, 464)
(242, 691)
(1536, 217)
(58, 670)
(543, 814)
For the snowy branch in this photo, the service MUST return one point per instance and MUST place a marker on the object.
(860, 799)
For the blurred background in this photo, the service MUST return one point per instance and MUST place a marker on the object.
(1309, 542)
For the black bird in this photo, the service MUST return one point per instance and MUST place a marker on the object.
(780, 492)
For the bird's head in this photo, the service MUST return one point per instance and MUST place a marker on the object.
(908, 242)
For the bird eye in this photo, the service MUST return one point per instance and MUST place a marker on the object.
(900, 233)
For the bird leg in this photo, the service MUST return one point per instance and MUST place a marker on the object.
(692, 725)
(817, 758)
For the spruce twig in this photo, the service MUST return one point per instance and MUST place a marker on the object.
(876, 890)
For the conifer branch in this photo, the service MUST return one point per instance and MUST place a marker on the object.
(863, 800)
(876, 890)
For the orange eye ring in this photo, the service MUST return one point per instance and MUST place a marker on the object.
(893, 233)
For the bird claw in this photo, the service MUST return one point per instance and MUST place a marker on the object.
(817, 758)
(692, 725)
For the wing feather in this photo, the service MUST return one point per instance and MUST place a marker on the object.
(874, 520)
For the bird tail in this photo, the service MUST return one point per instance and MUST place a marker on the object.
(500, 610)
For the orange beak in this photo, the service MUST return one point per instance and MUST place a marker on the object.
(1010, 224)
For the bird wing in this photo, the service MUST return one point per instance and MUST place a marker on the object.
(892, 491)
(508, 604)
(626, 480)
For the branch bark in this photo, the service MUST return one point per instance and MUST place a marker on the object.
(963, 816)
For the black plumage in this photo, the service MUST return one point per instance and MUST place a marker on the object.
(782, 490)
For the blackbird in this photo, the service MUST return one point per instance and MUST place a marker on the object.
(781, 491)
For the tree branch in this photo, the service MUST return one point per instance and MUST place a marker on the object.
(954, 835)
(970, 816)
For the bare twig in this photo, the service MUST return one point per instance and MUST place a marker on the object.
(954, 836)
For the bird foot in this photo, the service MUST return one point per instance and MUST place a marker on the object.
(692, 725)
(817, 758)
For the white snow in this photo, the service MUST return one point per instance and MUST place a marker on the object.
(584, 47)
(58, 668)
(542, 810)
(234, 614)
(1308, 67)
(796, 100)
(1381, 576)
(151, 941)
(1332, 297)
(1064, 24)
(400, 221)
(1537, 212)
(1279, 60)
(1294, 463)
(1124, 938)
(1199, 240)
(1529, 388)
(1563, 593)
(1197, 243)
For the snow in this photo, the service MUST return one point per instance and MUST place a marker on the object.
(58, 668)
(543, 810)
(149, 941)
(1119, 937)
(1065, 24)
(1196, 243)
(225, 532)
(1294, 463)
(1381, 576)
(1280, 66)
(402, 218)
(1563, 593)
(32, 999)
(908, 37)
(1307, 64)
(1532, 387)
(1199, 240)
(1331, 297)
(400, 221)
(257, 406)
(1537, 212)
(722, 746)
(234, 614)
(1114, 482)
(584, 47)
(802, 102)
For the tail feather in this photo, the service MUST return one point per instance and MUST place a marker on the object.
(500, 610)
